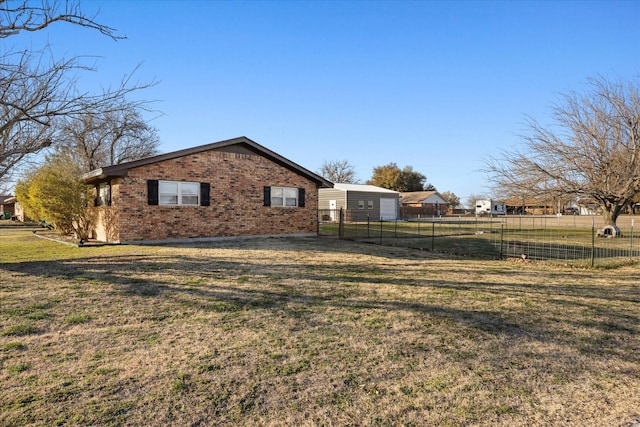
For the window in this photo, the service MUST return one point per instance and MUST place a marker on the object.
(360, 204)
(179, 193)
(369, 204)
(284, 196)
(103, 193)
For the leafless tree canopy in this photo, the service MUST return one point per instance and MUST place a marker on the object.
(109, 138)
(25, 15)
(592, 153)
(340, 171)
(38, 91)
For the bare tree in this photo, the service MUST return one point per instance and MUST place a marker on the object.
(340, 171)
(593, 153)
(25, 15)
(36, 90)
(108, 138)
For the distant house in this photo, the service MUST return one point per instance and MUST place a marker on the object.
(7, 207)
(11, 204)
(423, 203)
(228, 188)
(359, 202)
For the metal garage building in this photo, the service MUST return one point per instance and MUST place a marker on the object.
(359, 201)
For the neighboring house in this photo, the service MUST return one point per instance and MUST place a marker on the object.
(228, 188)
(359, 202)
(18, 210)
(7, 207)
(423, 203)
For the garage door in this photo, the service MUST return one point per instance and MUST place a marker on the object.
(388, 209)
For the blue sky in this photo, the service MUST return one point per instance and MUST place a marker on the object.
(436, 85)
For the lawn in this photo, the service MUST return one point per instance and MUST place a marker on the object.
(310, 331)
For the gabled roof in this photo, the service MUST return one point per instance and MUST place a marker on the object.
(363, 188)
(7, 199)
(419, 196)
(240, 144)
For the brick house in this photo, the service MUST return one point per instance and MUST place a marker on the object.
(228, 188)
(12, 206)
(423, 203)
(7, 207)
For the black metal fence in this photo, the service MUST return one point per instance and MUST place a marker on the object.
(570, 239)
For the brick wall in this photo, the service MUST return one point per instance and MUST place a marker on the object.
(236, 209)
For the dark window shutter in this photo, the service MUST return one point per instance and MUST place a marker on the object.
(205, 190)
(267, 196)
(152, 191)
(301, 197)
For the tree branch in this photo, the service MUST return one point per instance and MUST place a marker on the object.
(26, 17)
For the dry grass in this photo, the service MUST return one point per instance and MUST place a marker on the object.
(311, 332)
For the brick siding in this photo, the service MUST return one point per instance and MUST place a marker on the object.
(236, 208)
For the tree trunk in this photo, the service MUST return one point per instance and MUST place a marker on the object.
(610, 214)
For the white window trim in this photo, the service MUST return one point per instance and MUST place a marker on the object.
(179, 194)
(284, 197)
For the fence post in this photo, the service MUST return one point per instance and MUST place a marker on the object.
(353, 220)
(501, 239)
(341, 224)
(395, 229)
(433, 231)
(380, 230)
(593, 241)
(368, 226)
(631, 242)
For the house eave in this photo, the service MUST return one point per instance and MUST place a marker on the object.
(101, 174)
(120, 170)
